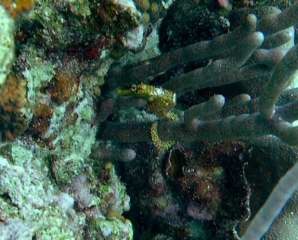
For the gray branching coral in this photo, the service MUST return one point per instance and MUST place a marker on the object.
(260, 51)
(271, 209)
(219, 72)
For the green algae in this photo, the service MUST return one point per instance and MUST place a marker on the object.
(7, 45)
(111, 230)
(39, 73)
(29, 196)
(36, 172)
(74, 144)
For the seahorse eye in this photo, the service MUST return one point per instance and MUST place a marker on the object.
(134, 88)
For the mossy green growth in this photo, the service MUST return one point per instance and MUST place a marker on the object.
(52, 21)
(80, 7)
(59, 27)
(38, 74)
(23, 179)
(77, 22)
(119, 16)
(52, 223)
(74, 143)
(28, 198)
(7, 45)
(28, 202)
(114, 229)
(112, 193)
(7, 210)
(22, 189)
(20, 155)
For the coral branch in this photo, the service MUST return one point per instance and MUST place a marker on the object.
(143, 72)
(277, 39)
(127, 132)
(286, 109)
(109, 106)
(279, 81)
(289, 112)
(276, 22)
(220, 72)
(113, 153)
(204, 110)
(245, 48)
(230, 128)
(260, 51)
(285, 188)
(236, 127)
(268, 57)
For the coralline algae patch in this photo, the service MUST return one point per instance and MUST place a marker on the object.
(48, 121)
(66, 127)
(32, 206)
(7, 45)
(29, 208)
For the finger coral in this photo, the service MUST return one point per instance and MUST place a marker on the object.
(258, 52)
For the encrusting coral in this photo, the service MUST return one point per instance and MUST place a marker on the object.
(51, 66)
